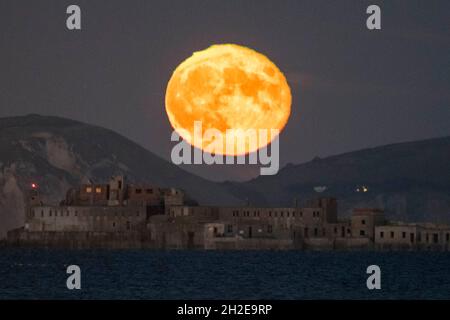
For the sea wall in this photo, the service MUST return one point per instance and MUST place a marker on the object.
(79, 239)
(189, 236)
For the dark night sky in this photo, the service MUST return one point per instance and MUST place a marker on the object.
(352, 88)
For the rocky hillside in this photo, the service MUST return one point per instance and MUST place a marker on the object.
(59, 153)
(411, 181)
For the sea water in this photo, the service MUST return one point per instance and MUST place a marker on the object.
(146, 274)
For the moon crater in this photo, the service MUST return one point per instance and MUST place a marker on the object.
(227, 87)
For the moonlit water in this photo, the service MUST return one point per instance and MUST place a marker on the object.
(41, 274)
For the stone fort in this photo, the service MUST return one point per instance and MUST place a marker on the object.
(121, 215)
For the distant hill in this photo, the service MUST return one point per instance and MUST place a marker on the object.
(59, 153)
(411, 181)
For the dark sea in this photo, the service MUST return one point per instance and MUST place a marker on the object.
(141, 274)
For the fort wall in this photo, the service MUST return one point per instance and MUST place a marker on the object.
(120, 215)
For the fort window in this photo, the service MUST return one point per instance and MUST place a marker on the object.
(138, 191)
(229, 228)
(269, 228)
(293, 213)
(363, 221)
(128, 225)
(287, 214)
(98, 190)
(335, 230)
(392, 234)
(447, 237)
(114, 224)
(150, 191)
(435, 238)
(76, 213)
(120, 184)
(306, 232)
(301, 213)
(403, 235)
(281, 213)
(88, 189)
(362, 232)
(411, 237)
(270, 213)
(427, 237)
(42, 213)
(254, 213)
(323, 232)
(381, 234)
(315, 232)
(50, 213)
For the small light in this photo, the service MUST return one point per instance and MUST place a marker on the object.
(34, 185)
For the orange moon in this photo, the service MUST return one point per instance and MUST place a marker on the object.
(227, 86)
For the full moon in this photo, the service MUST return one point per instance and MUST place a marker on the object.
(227, 86)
